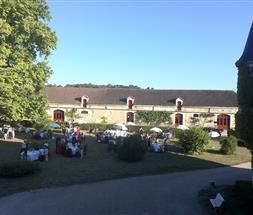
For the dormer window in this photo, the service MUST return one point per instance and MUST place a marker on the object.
(84, 101)
(130, 103)
(179, 104)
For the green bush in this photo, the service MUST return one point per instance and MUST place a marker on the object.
(193, 140)
(136, 128)
(56, 130)
(232, 132)
(98, 126)
(18, 168)
(228, 145)
(132, 149)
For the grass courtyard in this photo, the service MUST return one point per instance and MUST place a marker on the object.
(99, 164)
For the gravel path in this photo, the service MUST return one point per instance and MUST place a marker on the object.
(174, 193)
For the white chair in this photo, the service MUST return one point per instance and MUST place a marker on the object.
(217, 202)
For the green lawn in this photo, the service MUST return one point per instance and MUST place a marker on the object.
(99, 164)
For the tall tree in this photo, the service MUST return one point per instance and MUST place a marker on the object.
(26, 41)
(244, 117)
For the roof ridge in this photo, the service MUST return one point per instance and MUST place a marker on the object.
(106, 88)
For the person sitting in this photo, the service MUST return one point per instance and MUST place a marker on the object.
(112, 144)
(41, 154)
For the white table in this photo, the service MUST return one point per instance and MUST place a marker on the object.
(33, 155)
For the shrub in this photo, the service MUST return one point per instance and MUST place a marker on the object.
(228, 145)
(241, 143)
(232, 132)
(132, 149)
(98, 126)
(18, 168)
(136, 128)
(193, 140)
(244, 195)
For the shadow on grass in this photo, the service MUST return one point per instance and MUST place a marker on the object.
(213, 151)
(98, 165)
(175, 148)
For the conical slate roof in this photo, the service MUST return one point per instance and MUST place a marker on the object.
(247, 54)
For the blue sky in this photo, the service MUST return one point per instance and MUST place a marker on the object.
(159, 44)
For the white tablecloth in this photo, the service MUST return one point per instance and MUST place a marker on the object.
(33, 155)
(74, 149)
(157, 147)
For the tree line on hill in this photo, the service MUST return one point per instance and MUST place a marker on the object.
(90, 85)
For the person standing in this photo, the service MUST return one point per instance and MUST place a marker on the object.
(46, 151)
(5, 134)
(81, 147)
(13, 133)
(78, 131)
(24, 149)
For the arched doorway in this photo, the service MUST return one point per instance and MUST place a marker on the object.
(223, 122)
(178, 119)
(59, 116)
(130, 117)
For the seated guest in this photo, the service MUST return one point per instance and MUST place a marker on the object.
(41, 154)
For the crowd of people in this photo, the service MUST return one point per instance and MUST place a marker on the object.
(72, 143)
(40, 152)
(156, 142)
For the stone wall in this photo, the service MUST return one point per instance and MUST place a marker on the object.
(118, 113)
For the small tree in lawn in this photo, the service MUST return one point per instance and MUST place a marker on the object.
(244, 117)
(193, 140)
(72, 115)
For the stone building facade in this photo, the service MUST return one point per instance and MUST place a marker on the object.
(96, 105)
